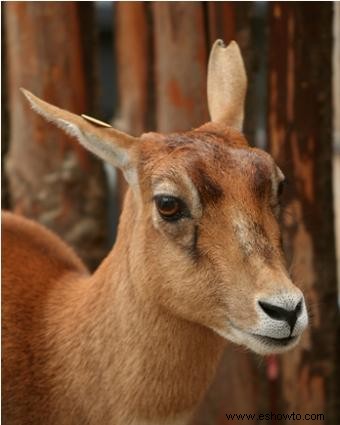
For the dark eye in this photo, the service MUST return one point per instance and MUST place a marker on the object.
(171, 208)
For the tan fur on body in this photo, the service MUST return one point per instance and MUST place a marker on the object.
(138, 342)
(78, 370)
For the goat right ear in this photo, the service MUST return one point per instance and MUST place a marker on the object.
(226, 84)
(101, 139)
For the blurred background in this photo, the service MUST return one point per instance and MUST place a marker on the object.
(142, 66)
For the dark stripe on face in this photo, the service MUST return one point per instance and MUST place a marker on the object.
(193, 250)
(208, 189)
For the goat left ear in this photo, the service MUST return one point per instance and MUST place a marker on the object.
(226, 84)
(109, 144)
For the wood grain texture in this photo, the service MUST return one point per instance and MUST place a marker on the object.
(133, 50)
(180, 65)
(300, 131)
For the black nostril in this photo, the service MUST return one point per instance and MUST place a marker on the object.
(298, 308)
(278, 313)
(273, 311)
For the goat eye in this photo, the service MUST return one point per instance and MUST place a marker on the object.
(170, 208)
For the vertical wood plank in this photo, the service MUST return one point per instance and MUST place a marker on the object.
(5, 195)
(133, 49)
(300, 131)
(180, 65)
(52, 178)
(134, 67)
(221, 21)
(86, 17)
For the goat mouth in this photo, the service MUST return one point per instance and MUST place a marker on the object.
(276, 342)
(262, 344)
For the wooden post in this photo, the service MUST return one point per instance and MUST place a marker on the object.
(52, 178)
(133, 44)
(133, 48)
(5, 196)
(300, 131)
(180, 65)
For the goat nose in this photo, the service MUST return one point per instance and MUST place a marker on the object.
(278, 313)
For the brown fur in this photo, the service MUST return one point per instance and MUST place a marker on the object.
(57, 353)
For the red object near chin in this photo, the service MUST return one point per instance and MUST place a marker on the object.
(272, 367)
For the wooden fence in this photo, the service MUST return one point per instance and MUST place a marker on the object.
(161, 51)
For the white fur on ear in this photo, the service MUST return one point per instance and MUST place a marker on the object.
(99, 138)
(226, 84)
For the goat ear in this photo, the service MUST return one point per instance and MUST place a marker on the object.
(99, 138)
(227, 84)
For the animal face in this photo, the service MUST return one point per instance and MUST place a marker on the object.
(209, 224)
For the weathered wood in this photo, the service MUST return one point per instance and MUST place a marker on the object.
(52, 178)
(336, 122)
(5, 196)
(86, 17)
(221, 21)
(134, 67)
(133, 49)
(180, 65)
(300, 131)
